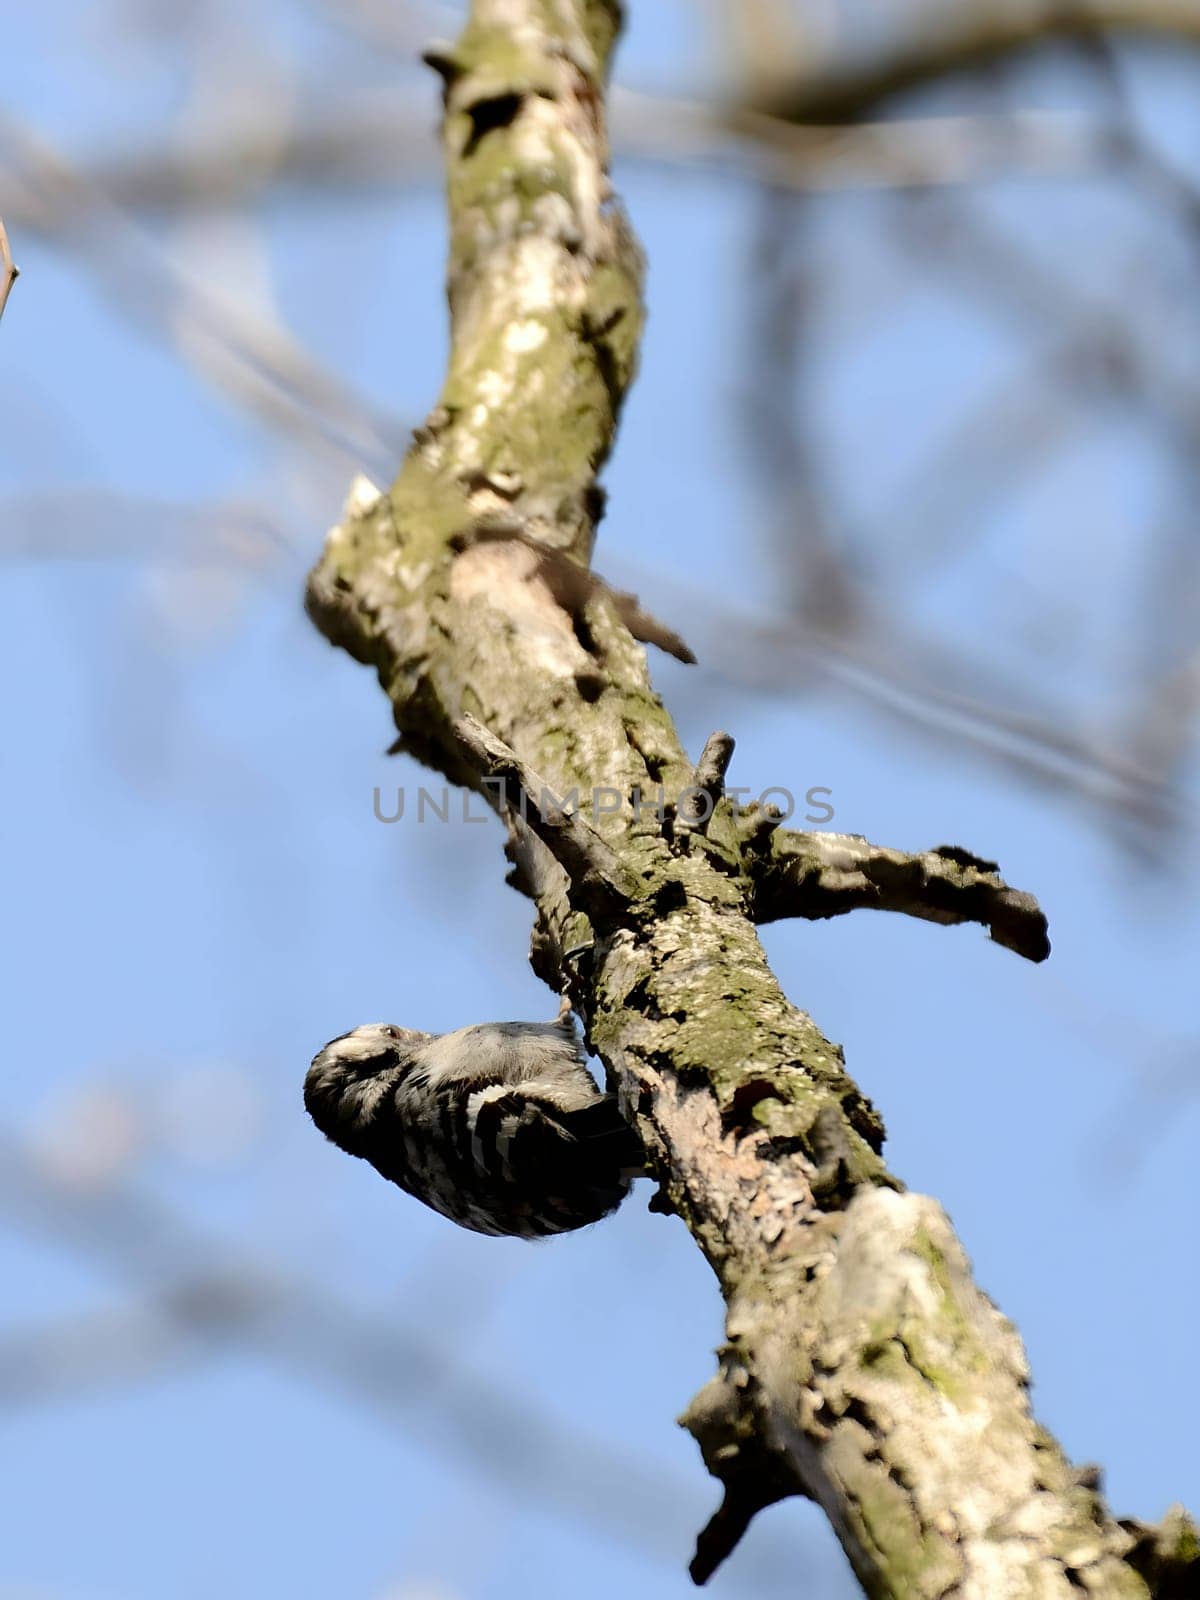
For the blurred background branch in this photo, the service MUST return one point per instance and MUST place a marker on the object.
(196, 1295)
(844, 62)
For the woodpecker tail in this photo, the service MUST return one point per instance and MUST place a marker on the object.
(605, 1138)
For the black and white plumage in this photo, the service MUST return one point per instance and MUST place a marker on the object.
(499, 1126)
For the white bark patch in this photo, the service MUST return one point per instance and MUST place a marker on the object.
(535, 277)
(521, 337)
(363, 497)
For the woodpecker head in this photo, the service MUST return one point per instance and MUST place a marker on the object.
(349, 1078)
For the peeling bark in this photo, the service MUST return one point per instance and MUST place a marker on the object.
(862, 1365)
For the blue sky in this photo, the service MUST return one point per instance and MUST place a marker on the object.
(199, 897)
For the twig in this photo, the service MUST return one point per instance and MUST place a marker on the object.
(699, 800)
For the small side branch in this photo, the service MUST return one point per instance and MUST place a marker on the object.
(817, 875)
(699, 800)
(728, 1430)
(599, 882)
(9, 271)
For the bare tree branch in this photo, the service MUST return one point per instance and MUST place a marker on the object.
(862, 1366)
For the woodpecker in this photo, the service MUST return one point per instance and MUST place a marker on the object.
(498, 1126)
